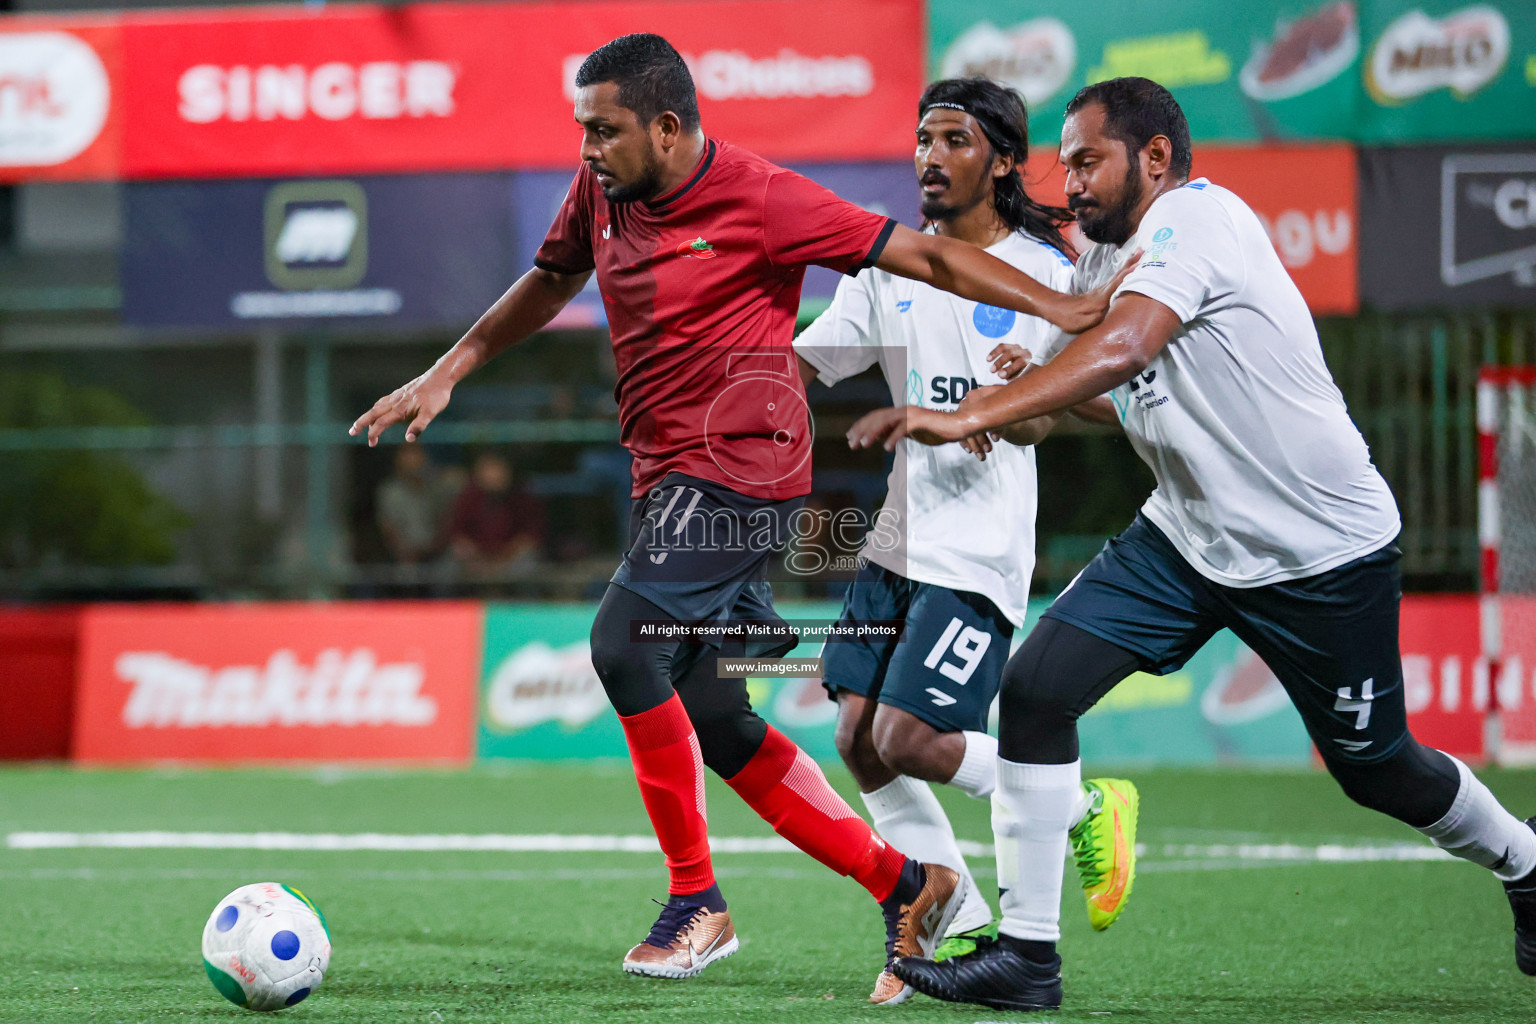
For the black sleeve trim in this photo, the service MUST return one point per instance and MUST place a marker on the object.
(876, 249)
(556, 269)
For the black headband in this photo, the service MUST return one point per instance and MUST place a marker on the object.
(980, 123)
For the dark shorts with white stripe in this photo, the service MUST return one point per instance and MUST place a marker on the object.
(948, 664)
(700, 551)
(1331, 639)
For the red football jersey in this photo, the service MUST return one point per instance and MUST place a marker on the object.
(702, 286)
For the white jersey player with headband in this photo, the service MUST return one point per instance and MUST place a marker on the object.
(959, 523)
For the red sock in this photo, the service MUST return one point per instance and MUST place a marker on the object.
(788, 790)
(670, 770)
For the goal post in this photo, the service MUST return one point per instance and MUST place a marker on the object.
(1506, 522)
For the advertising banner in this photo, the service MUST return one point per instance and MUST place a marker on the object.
(1514, 615)
(61, 104)
(1445, 676)
(540, 698)
(269, 683)
(398, 250)
(1267, 70)
(358, 89)
(1305, 195)
(1448, 227)
(1448, 69)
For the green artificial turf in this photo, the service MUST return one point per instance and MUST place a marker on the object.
(112, 935)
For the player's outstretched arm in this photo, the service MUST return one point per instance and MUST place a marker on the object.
(1093, 364)
(972, 273)
(525, 308)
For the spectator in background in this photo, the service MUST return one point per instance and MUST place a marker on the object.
(411, 507)
(496, 524)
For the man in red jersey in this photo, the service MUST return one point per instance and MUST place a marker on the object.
(700, 249)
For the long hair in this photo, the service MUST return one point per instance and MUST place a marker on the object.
(999, 112)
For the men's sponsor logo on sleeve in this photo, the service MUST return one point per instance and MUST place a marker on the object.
(1162, 243)
(1463, 51)
(1035, 57)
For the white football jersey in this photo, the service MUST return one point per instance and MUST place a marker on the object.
(959, 523)
(1261, 474)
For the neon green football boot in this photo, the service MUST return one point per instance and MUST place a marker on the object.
(964, 942)
(1104, 846)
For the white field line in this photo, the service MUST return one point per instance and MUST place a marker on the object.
(1182, 853)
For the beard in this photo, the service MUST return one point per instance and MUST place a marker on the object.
(938, 208)
(1111, 224)
(647, 186)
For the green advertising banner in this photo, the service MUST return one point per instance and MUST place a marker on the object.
(1448, 71)
(540, 698)
(1266, 70)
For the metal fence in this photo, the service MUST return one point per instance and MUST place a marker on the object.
(1409, 381)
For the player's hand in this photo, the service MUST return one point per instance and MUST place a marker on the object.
(1080, 312)
(980, 444)
(889, 426)
(1008, 361)
(418, 402)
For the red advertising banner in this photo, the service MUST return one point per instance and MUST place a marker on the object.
(449, 86)
(61, 105)
(1445, 676)
(263, 683)
(38, 652)
(1305, 195)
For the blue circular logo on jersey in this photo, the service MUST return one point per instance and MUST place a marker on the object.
(1163, 234)
(993, 321)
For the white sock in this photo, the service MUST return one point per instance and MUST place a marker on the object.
(907, 814)
(1005, 844)
(1478, 828)
(1044, 798)
(1080, 809)
(1005, 837)
(977, 774)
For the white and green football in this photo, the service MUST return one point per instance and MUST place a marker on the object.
(266, 946)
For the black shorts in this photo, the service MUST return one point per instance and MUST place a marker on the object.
(699, 551)
(948, 664)
(1331, 639)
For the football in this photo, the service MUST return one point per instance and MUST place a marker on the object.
(266, 946)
